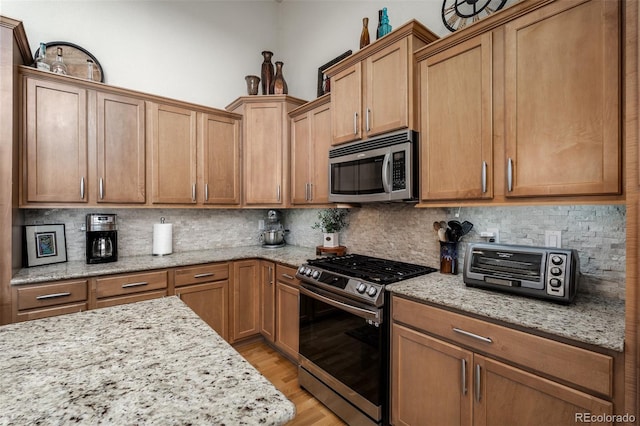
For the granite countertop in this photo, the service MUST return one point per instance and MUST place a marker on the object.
(592, 319)
(152, 362)
(290, 255)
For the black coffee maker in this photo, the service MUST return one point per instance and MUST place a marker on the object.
(102, 238)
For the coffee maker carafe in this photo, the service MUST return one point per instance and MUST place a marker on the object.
(102, 238)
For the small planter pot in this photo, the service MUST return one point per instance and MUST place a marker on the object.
(331, 239)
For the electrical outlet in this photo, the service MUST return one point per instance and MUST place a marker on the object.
(261, 225)
(553, 238)
(492, 235)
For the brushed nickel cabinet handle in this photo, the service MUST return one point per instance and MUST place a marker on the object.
(278, 193)
(206, 192)
(310, 192)
(138, 284)
(510, 175)
(193, 192)
(287, 276)
(355, 123)
(478, 384)
(472, 335)
(53, 296)
(206, 274)
(464, 376)
(270, 275)
(484, 177)
(82, 188)
(101, 189)
(367, 120)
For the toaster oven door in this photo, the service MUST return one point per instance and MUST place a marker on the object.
(512, 268)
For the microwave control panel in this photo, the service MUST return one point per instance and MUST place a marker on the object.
(399, 177)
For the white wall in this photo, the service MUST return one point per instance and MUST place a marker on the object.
(200, 51)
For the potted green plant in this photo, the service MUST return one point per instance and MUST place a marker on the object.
(331, 222)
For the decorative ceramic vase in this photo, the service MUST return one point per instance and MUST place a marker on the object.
(364, 36)
(253, 82)
(267, 72)
(331, 239)
(278, 85)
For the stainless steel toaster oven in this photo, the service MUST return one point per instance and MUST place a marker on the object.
(542, 272)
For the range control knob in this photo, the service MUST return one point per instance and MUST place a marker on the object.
(308, 272)
(301, 270)
(555, 282)
(361, 288)
(556, 271)
(315, 275)
(372, 291)
(556, 260)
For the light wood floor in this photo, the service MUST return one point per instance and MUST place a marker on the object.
(284, 376)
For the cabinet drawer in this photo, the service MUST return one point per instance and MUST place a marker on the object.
(286, 274)
(51, 294)
(133, 283)
(51, 311)
(581, 367)
(201, 274)
(121, 300)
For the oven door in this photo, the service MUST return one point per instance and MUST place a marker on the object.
(342, 344)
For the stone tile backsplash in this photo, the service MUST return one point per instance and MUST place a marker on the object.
(397, 231)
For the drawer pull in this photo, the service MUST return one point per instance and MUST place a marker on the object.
(287, 276)
(478, 385)
(139, 284)
(207, 274)
(52, 296)
(472, 335)
(464, 376)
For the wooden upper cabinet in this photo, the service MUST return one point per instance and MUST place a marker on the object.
(220, 138)
(55, 145)
(173, 154)
(121, 173)
(310, 143)
(373, 91)
(562, 100)
(456, 146)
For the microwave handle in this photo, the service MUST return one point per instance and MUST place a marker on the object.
(386, 171)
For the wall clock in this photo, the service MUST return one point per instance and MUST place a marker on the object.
(458, 14)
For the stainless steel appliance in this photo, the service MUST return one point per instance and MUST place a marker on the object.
(102, 238)
(383, 168)
(273, 234)
(344, 333)
(542, 272)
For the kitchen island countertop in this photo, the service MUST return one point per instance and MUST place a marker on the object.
(152, 362)
(290, 255)
(592, 319)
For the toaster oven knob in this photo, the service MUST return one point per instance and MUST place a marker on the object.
(361, 288)
(556, 271)
(556, 260)
(555, 282)
(372, 291)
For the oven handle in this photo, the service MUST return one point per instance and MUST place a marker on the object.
(374, 315)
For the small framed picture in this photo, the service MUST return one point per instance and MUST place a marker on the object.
(323, 82)
(44, 244)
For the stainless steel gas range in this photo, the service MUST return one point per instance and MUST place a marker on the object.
(344, 333)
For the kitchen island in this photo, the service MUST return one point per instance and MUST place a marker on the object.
(153, 362)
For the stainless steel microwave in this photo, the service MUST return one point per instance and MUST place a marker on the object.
(382, 168)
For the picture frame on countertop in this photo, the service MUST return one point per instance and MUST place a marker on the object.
(321, 85)
(44, 244)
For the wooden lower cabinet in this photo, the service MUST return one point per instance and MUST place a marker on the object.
(245, 300)
(439, 382)
(49, 299)
(267, 300)
(287, 296)
(129, 288)
(209, 301)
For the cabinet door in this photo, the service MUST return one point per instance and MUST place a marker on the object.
(300, 158)
(121, 149)
(209, 301)
(562, 113)
(319, 164)
(267, 300)
(263, 153)
(386, 90)
(173, 159)
(346, 105)
(245, 300)
(56, 142)
(456, 123)
(430, 380)
(287, 308)
(221, 158)
(508, 396)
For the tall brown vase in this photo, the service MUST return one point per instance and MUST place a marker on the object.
(267, 73)
(278, 85)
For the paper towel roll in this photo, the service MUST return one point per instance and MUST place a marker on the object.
(162, 239)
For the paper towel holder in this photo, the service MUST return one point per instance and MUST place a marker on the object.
(162, 238)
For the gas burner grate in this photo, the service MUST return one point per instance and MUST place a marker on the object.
(372, 269)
